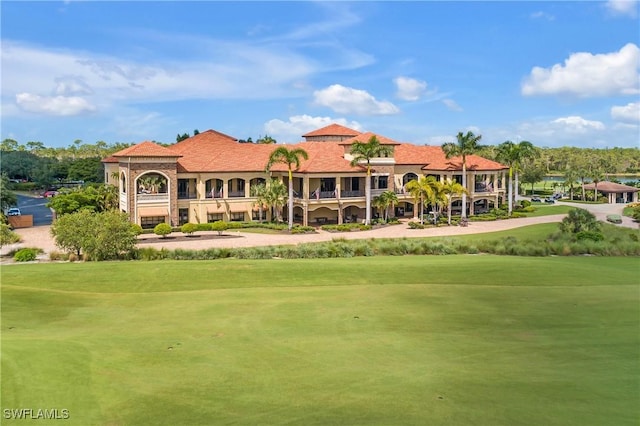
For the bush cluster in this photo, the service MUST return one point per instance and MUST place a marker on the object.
(616, 242)
(26, 254)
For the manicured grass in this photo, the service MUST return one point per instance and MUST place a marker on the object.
(443, 340)
(548, 210)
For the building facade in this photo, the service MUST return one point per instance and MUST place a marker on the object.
(210, 177)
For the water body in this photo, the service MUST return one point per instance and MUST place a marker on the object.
(622, 179)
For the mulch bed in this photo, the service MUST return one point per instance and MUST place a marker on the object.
(149, 238)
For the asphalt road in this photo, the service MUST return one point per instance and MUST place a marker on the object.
(35, 206)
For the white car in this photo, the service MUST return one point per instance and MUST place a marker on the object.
(14, 211)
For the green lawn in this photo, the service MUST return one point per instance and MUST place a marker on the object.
(424, 340)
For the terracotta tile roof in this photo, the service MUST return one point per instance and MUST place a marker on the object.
(433, 158)
(110, 159)
(474, 162)
(325, 157)
(408, 154)
(213, 151)
(146, 149)
(332, 130)
(607, 186)
(364, 138)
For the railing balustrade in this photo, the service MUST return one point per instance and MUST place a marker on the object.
(152, 197)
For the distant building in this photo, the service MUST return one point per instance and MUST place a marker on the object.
(615, 192)
(208, 177)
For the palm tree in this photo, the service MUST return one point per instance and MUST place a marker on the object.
(570, 178)
(506, 155)
(291, 158)
(596, 176)
(524, 151)
(276, 197)
(365, 152)
(421, 189)
(384, 200)
(465, 145)
(450, 188)
(514, 156)
(260, 192)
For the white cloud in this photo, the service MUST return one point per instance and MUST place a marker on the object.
(298, 125)
(586, 75)
(543, 15)
(575, 124)
(346, 100)
(53, 105)
(623, 7)
(629, 113)
(452, 105)
(221, 70)
(409, 89)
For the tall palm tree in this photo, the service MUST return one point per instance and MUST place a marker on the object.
(524, 152)
(292, 158)
(514, 155)
(507, 155)
(466, 144)
(450, 188)
(422, 188)
(365, 152)
(570, 178)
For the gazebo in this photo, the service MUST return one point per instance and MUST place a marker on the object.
(615, 192)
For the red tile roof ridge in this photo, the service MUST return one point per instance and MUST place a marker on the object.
(146, 149)
(333, 129)
(364, 138)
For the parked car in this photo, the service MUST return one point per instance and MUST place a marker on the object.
(14, 211)
(49, 193)
(549, 200)
(536, 199)
(557, 196)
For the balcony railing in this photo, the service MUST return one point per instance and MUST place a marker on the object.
(152, 198)
(187, 195)
(482, 187)
(236, 194)
(351, 194)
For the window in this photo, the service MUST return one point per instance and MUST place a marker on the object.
(355, 184)
(183, 216)
(327, 184)
(383, 182)
(149, 222)
(214, 217)
(237, 216)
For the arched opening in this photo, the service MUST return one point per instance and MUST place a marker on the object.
(213, 188)
(152, 183)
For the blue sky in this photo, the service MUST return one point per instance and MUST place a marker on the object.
(554, 73)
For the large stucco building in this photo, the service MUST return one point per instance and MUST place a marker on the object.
(209, 177)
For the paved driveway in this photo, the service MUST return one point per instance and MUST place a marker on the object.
(35, 206)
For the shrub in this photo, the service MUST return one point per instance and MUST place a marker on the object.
(162, 229)
(525, 203)
(136, 229)
(590, 235)
(7, 236)
(189, 228)
(416, 225)
(26, 255)
(578, 220)
(220, 226)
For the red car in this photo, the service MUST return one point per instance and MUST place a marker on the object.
(49, 193)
